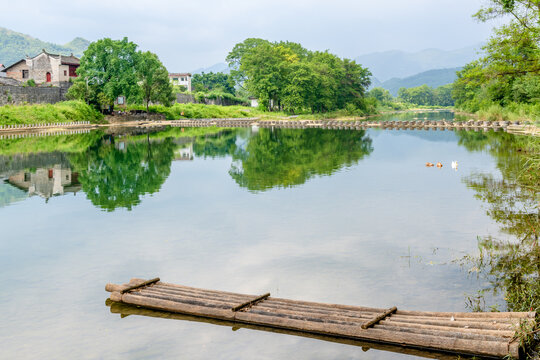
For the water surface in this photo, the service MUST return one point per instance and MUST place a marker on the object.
(350, 217)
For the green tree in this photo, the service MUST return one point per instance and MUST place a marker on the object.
(107, 67)
(213, 81)
(509, 70)
(286, 76)
(382, 95)
(153, 80)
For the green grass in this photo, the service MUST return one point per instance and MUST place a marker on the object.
(512, 112)
(62, 112)
(200, 111)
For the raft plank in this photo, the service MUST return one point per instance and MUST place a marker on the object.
(484, 334)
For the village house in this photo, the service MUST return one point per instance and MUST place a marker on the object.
(181, 79)
(44, 68)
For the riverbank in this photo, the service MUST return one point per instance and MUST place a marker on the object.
(62, 112)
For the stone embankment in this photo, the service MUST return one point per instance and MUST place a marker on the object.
(144, 122)
(358, 125)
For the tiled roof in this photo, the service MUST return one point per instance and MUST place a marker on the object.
(69, 60)
(179, 74)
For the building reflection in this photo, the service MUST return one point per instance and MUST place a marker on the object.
(47, 182)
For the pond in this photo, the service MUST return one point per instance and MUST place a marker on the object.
(339, 216)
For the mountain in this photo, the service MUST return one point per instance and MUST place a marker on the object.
(15, 46)
(433, 78)
(399, 64)
(219, 67)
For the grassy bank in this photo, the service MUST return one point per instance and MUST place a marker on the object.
(511, 112)
(200, 111)
(62, 112)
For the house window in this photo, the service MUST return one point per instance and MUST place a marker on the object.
(25, 74)
(175, 79)
(26, 177)
(182, 79)
(65, 72)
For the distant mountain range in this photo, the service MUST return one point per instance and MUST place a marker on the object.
(15, 46)
(219, 67)
(433, 78)
(399, 64)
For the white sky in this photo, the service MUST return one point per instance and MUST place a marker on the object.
(191, 34)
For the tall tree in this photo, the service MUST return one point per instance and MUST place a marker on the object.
(109, 67)
(153, 79)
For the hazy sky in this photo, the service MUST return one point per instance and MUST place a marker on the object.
(191, 34)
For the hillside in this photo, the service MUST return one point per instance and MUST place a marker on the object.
(433, 78)
(399, 64)
(219, 67)
(15, 46)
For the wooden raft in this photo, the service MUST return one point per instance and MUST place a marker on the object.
(484, 334)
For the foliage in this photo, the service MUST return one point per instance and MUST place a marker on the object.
(511, 267)
(199, 111)
(153, 80)
(425, 95)
(29, 83)
(286, 76)
(206, 82)
(287, 157)
(111, 68)
(108, 67)
(62, 112)
(509, 72)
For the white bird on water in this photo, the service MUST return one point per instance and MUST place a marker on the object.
(454, 165)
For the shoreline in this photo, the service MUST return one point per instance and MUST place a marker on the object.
(286, 122)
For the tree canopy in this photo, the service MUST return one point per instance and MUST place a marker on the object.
(286, 76)
(426, 95)
(510, 70)
(111, 68)
(213, 81)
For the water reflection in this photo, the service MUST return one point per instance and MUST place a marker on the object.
(117, 174)
(511, 264)
(116, 171)
(381, 233)
(285, 157)
(46, 182)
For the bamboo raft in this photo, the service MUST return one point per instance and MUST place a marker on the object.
(483, 334)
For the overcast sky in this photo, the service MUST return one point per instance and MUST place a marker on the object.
(191, 34)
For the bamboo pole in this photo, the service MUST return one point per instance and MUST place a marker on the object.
(250, 302)
(379, 318)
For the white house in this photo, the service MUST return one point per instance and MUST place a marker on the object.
(181, 79)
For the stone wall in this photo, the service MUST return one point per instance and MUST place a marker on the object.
(18, 95)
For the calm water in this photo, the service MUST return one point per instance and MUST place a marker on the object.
(351, 217)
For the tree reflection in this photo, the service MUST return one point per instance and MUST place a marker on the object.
(216, 145)
(118, 175)
(287, 157)
(512, 266)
